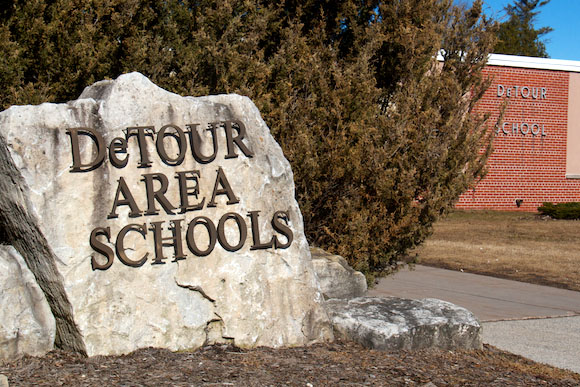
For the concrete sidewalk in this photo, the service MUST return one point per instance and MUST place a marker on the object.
(539, 322)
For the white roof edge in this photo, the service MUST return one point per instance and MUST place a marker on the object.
(533, 63)
(529, 62)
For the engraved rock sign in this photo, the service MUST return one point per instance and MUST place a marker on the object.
(152, 219)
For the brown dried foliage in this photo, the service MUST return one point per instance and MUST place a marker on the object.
(336, 364)
(519, 246)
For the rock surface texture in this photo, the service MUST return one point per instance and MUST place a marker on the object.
(27, 325)
(170, 221)
(396, 323)
(337, 279)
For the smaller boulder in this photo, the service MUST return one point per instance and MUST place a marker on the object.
(27, 326)
(396, 323)
(337, 279)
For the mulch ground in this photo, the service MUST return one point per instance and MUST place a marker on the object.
(336, 364)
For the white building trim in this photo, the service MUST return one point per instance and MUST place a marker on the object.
(529, 62)
(533, 63)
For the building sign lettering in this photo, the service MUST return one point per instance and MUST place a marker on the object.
(522, 128)
(522, 91)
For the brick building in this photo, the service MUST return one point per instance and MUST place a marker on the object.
(536, 155)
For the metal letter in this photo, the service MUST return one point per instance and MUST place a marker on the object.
(185, 191)
(102, 248)
(528, 92)
(141, 132)
(195, 143)
(282, 229)
(257, 245)
(118, 145)
(230, 139)
(500, 90)
(128, 200)
(535, 133)
(242, 228)
(77, 165)
(527, 128)
(174, 240)
(120, 245)
(179, 136)
(226, 190)
(503, 128)
(158, 195)
(211, 231)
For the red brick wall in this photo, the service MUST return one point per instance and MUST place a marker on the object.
(525, 166)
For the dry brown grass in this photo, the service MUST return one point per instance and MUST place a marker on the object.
(520, 246)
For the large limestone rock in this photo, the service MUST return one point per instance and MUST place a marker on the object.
(162, 221)
(27, 325)
(337, 279)
(396, 323)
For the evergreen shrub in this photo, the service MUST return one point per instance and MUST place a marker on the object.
(381, 136)
(570, 210)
